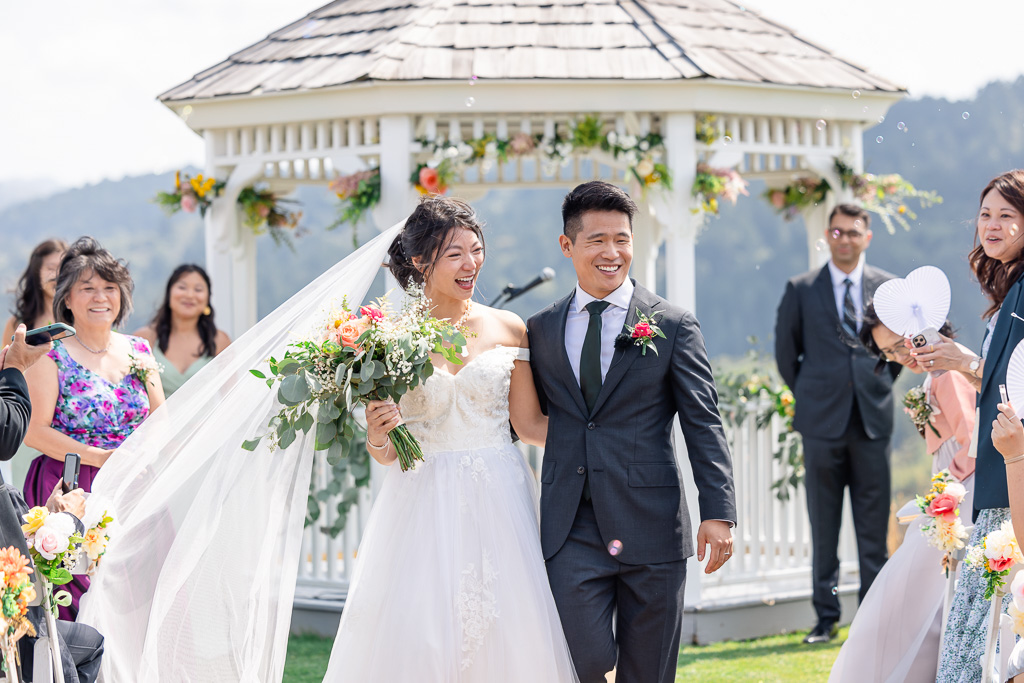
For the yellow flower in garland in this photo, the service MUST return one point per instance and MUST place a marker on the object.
(201, 186)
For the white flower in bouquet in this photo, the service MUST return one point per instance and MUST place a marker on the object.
(96, 508)
(1001, 544)
(975, 557)
(955, 489)
(53, 537)
(1017, 590)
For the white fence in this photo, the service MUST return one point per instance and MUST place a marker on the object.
(772, 553)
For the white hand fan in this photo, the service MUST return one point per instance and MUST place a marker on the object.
(912, 304)
(1015, 379)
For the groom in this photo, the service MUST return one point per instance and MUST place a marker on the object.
(614, 523)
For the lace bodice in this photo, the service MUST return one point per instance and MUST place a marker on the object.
(467, 410)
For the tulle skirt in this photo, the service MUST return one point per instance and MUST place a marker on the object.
(450, 584)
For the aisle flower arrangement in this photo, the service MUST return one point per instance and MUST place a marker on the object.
(943, 528)
(994, 558)
(17, 593)
(353, 358)
(802, 193)
(99, 527)
(712, 184)
(54, 543)
(265, 212)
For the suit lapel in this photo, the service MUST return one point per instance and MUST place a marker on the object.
(1001, 334)
(623, 358)
(557, 330)
(823, 285)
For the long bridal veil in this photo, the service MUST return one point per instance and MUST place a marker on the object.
(198, 581)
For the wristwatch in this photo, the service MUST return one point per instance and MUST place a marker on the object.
(974, 365)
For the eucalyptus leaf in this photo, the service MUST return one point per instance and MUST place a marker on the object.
(325, 432)
(257, 373)
(327, 412)
(334, 453)
(304, 422)
(295, 390)
(251, 444)
(287, 439)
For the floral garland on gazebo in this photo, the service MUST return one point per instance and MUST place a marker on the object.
(264, 211)
(448, 159)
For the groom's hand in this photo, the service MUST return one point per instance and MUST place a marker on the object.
(714, 538)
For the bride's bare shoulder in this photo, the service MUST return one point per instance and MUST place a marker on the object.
(503, 325)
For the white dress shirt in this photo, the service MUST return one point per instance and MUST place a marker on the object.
(612, 320)
(856, 290)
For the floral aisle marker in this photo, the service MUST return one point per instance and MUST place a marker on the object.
(99, 527)
(943, 528)
(14, 601)
(994, 558)
(357, 193)
(710, 184)
(54, 542)
(264, 211)
(802, 193)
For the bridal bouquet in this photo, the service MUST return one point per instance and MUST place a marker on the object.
(995, 557)
(354, 357)
(54, 542)
(943, 528)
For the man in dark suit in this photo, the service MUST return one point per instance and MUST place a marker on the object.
(844, 409)
(81, 646)
(615, 528)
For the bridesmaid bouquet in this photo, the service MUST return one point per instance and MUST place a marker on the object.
(943, 528)
(54, 542)
(995, 557)
(916, 405)
(354, 357)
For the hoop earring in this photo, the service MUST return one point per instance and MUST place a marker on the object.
(207, 311)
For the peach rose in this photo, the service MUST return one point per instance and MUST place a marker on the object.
(430, 180)
(188, 203)
(350, 331)
(943, 505)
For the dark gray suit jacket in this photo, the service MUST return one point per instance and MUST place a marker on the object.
(626, 443)
(823, 367)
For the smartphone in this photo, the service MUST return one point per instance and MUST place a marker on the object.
(45, 335)
(72, 466)
(928, 335)
(1003, 396)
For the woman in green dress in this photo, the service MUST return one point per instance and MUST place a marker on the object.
(182, 334)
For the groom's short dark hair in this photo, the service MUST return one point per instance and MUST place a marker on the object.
(596, 195)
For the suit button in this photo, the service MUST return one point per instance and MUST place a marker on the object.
(591, 425)
(581, 470)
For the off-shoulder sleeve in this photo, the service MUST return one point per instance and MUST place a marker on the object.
(956, 398)
(523, 354)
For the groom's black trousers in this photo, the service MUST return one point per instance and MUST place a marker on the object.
(589, 584)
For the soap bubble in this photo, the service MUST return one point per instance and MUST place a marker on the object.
(966, 115)
(820, 124)
(615, 547)
(881, 119)
(856, 94)
(472, 80)
(901, 126)
(470, 101)
(835, 590)
(726, 140)
(865, 109)
(879, 139)
(819, 245)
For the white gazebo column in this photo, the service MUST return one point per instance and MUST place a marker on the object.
(646, 241)
(218, 256)
(397, 198)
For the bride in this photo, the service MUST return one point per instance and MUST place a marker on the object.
(451, 584)
(198, 581)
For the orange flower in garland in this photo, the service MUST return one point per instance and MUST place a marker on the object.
(14, 566)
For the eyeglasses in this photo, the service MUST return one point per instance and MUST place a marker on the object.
(895, 350)
(853, 235)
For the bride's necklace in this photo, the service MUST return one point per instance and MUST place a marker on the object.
(465, 316)
(92, 350)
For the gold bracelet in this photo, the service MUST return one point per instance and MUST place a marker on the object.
(1013, 460)
(387, 442)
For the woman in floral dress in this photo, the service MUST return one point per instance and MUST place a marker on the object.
(92, 390)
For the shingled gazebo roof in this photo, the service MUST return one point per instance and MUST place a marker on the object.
(349, 41)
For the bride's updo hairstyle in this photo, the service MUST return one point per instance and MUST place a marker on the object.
(428, 232)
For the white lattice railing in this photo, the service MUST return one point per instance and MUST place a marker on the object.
(772, 537)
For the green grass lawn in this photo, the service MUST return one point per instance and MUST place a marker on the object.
(768, 660)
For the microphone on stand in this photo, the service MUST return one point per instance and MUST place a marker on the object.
(511, 291)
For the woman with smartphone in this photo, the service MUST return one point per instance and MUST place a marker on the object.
(887, 644)
(183, 335)
(93, 389)
(998, 265)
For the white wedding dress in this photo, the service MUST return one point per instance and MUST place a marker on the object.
(450, 584)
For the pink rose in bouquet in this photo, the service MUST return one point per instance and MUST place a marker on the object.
(430, 180)
(350, 331)
(189, 203)
(944, 506)
(371, 312)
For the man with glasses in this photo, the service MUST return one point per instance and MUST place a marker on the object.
(844, 411)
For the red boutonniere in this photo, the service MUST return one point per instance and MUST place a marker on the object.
(642, 334)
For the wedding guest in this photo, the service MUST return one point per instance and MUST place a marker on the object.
(843, 409)
(997, 264)
(887, 644)
(81, 646)
(33, 296)
(92, 390)
(33, 306)
(183, 335)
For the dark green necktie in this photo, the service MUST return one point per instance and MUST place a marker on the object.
(590, 358)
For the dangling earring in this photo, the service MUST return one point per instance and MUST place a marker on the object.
(207, 311)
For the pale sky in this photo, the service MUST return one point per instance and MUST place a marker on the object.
(79, 79)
